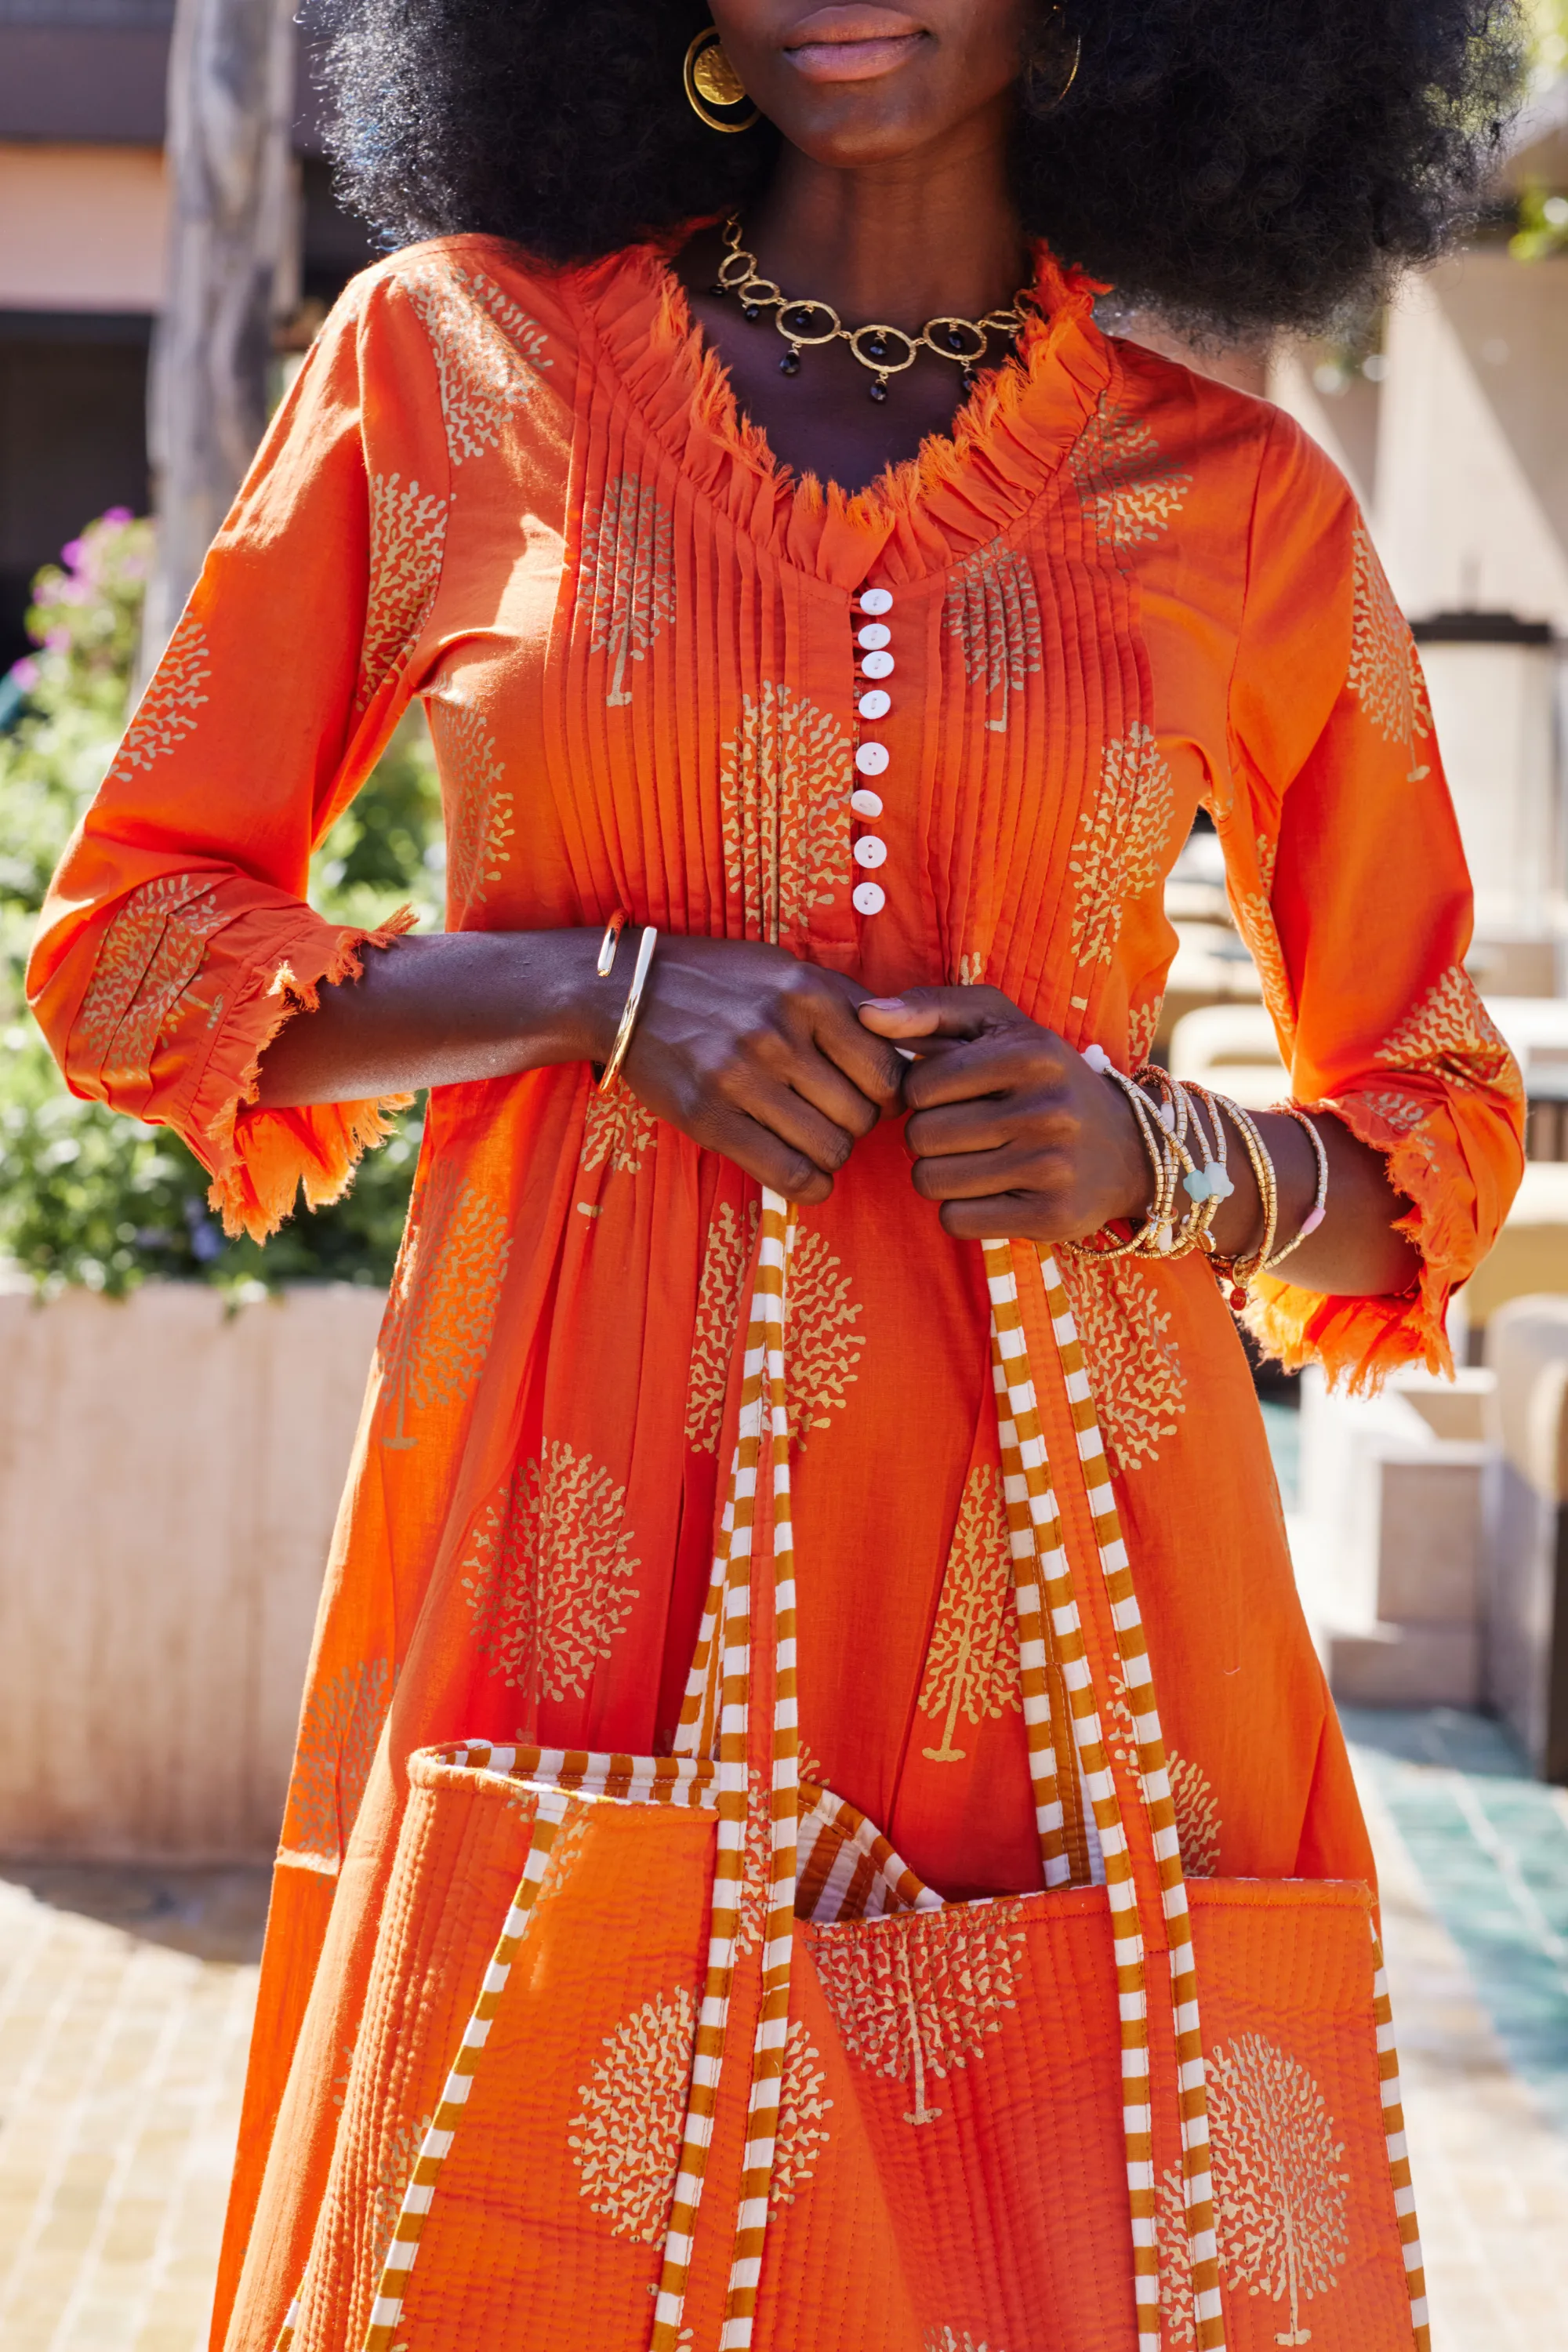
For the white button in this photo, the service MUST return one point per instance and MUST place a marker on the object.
(875, 705)
(877, 665)
(871, 758)
(869, 897)
(865, 803)
(870, 850)
(874, 636)
(875, 600)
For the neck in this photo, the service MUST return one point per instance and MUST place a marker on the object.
(926, 237)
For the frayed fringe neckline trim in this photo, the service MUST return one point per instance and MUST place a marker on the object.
(923, 513)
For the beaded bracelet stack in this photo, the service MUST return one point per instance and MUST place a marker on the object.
(1182, 1126)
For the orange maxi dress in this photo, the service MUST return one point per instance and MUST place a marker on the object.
(1120, 592)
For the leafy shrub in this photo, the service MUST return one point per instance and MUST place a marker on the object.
(86, 1195)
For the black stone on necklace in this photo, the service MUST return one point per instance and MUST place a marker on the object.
(884, 351)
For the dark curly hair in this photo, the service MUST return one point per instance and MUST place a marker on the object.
(1239, 163)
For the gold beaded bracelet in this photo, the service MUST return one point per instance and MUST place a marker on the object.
(1318, 1210)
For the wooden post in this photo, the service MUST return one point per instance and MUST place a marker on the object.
(233, 268)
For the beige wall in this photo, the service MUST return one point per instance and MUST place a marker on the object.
(169, 1475)
(1472, 469)
(81, 228)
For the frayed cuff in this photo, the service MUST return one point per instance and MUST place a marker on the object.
(1360, 1340)
(261, 1158)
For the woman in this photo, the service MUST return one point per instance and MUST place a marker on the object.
(619, 537)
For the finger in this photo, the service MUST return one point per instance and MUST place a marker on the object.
(989, 1123)
(1027, 1216)
(971, 1175)
(762, 1154)
(820, 1082)
(939, 1013)
(796, 1122)
(993, 1064)
(869, 1063)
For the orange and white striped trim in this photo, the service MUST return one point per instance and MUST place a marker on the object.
(778, 1941)
(1398, 2153)
(1031, 1503)
(848, 1870)
(1153, 1772)
(728, 1624)
(386, 2311)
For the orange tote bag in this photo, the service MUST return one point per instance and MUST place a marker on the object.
(668, 2052)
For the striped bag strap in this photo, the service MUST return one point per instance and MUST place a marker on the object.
(741, 1696)
(1043, 1572)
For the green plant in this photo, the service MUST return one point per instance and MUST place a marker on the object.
(88, 1196)
(1542, 228)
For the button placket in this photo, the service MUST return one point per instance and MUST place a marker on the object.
(873, 638)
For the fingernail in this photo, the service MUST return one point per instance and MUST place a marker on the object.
(882, 1004)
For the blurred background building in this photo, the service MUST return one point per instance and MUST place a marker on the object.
(84, 243)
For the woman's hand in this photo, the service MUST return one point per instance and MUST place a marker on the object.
(748, 1050)
(1011, 1130)
(757, 1056)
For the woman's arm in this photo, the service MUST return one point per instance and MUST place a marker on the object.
(746, 1049)
(1014, 1134)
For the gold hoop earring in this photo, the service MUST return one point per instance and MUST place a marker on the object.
(711, 81)
(1052, 104)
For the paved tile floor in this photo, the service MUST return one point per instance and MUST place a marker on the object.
(125, 1999)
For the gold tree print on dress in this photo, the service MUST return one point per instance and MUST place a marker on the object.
(1255, 919)
(802, 2134)
(1127, 495)
(944, 2339)
(822, 1347)
(1134, 1364)
(480, 814)
(1142, 1025)
(626, 2141)
(1401, 1113)
(338, 1741)
(1384, 672)
(1451, 1035)
(726, 1254)
(1121, 839)
(616, 1128)
(407, 541)
(166, 713)
(785, 788)
(548, 1574)
(486, 350)
(921, 1998)
(626, 582)
(445, 1291)
(1198, 1824)
(1281, 2199)
(972, 1662)
(992, 608)
(152, 951)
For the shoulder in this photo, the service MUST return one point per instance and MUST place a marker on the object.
(1215, 431)
(455, 285)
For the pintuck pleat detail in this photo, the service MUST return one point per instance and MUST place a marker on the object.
(962, 488)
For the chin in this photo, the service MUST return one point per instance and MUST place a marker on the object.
(860, 124)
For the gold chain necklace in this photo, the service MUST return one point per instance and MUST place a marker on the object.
(882, 350)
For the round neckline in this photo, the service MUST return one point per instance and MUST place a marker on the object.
(918, 517)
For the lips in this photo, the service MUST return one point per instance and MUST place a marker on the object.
(852, 44)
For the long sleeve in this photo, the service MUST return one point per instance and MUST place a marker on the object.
(176, 939)
(1348, 880)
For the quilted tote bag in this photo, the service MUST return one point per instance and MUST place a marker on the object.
(676, 2052)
